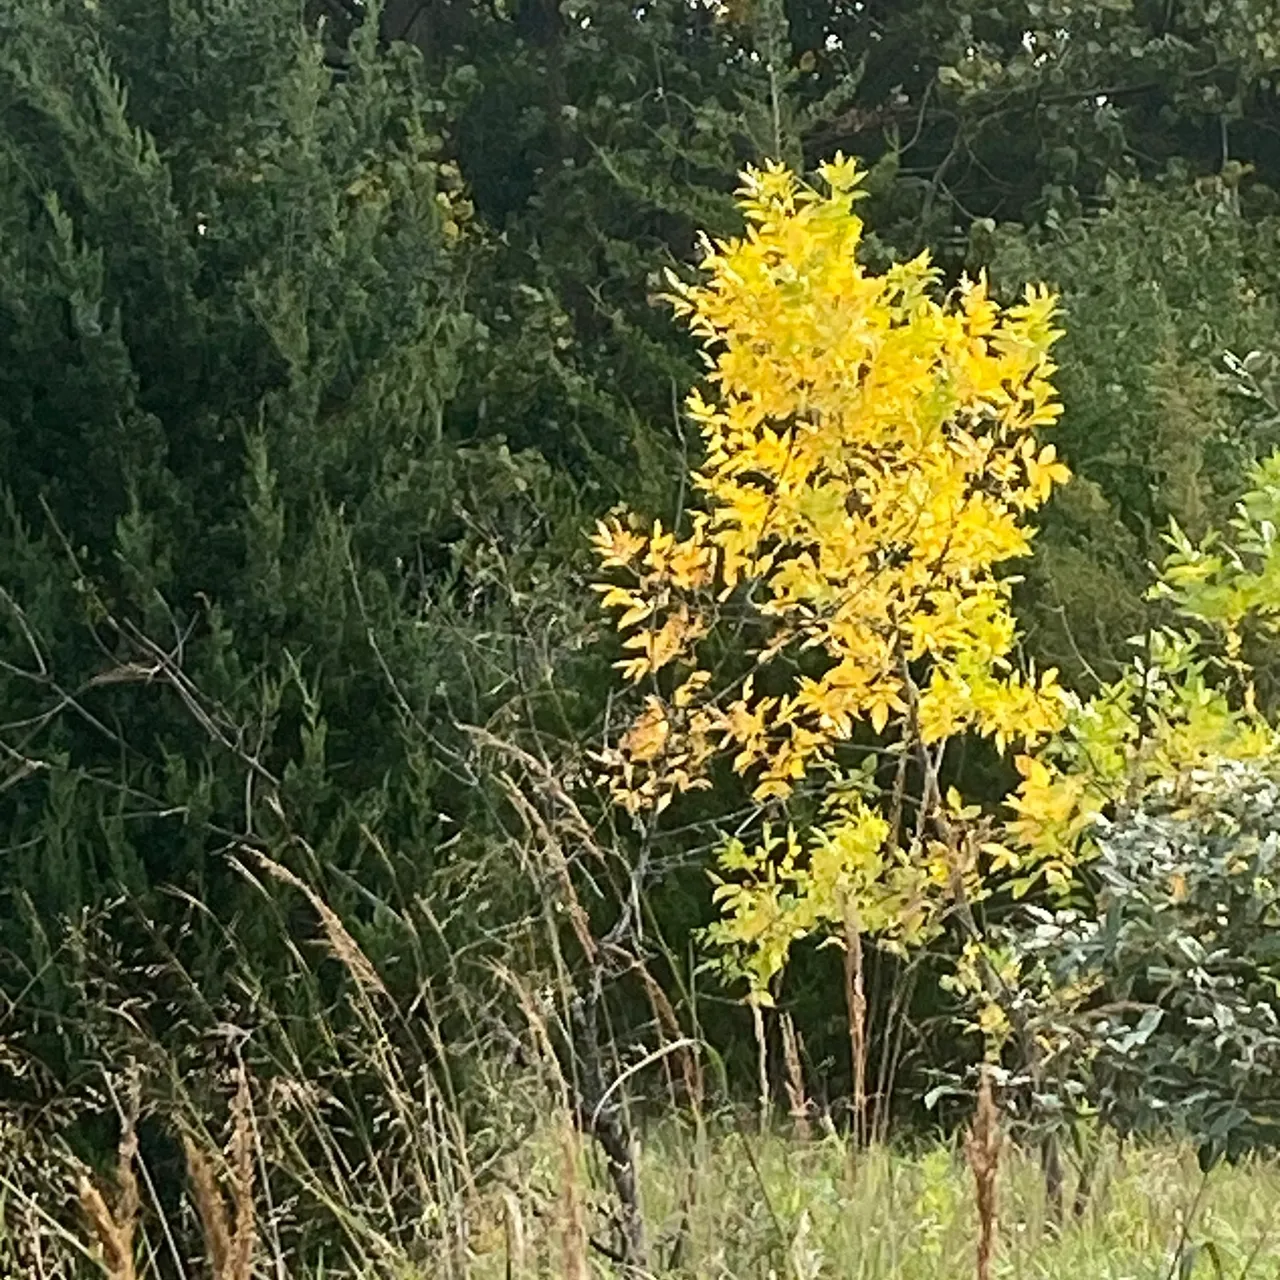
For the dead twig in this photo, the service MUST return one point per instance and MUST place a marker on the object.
(982, 1147)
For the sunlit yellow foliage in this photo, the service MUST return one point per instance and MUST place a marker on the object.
(870, 460)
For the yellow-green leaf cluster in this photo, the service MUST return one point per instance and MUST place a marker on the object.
(846, 875)
(1183, 705)
(1221, 581)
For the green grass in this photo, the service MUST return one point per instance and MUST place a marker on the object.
(721, 1204)
(737, 1208)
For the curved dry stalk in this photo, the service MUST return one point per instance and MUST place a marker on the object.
(115, 1229)
(229, 1240)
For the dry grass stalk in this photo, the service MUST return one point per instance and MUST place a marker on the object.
(762, 1061)
(514, 1233)
(209, 1205)
(114, 1229)
(344, 947)
(229, 1241)
(573, 1227)
(665, 1016)
(547, 841)
(795, 1078)
(856, 1011)
(982, 1147)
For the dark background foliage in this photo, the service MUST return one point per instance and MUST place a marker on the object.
(322, 340)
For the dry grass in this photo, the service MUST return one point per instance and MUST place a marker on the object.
(114, 1226)
(352, 1157)
(229, 1240)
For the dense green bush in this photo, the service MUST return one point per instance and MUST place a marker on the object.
(244, 593)
(1171, 1022)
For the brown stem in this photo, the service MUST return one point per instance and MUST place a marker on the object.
(856, 1006)
(982, 1147)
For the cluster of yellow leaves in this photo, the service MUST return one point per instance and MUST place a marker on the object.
(870, 460)
(667, 745)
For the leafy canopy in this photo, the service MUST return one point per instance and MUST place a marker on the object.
(870, 461)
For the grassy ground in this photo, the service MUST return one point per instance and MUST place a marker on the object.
(741, 1208)
(727, 1204)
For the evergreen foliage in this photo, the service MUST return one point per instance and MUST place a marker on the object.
(236, 611)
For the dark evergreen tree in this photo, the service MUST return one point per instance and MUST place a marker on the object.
(236, 581)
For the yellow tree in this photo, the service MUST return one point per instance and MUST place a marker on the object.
(870, 461)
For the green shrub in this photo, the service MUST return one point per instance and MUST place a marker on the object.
(1175, 966)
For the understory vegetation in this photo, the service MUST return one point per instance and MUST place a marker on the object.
(639, 639)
